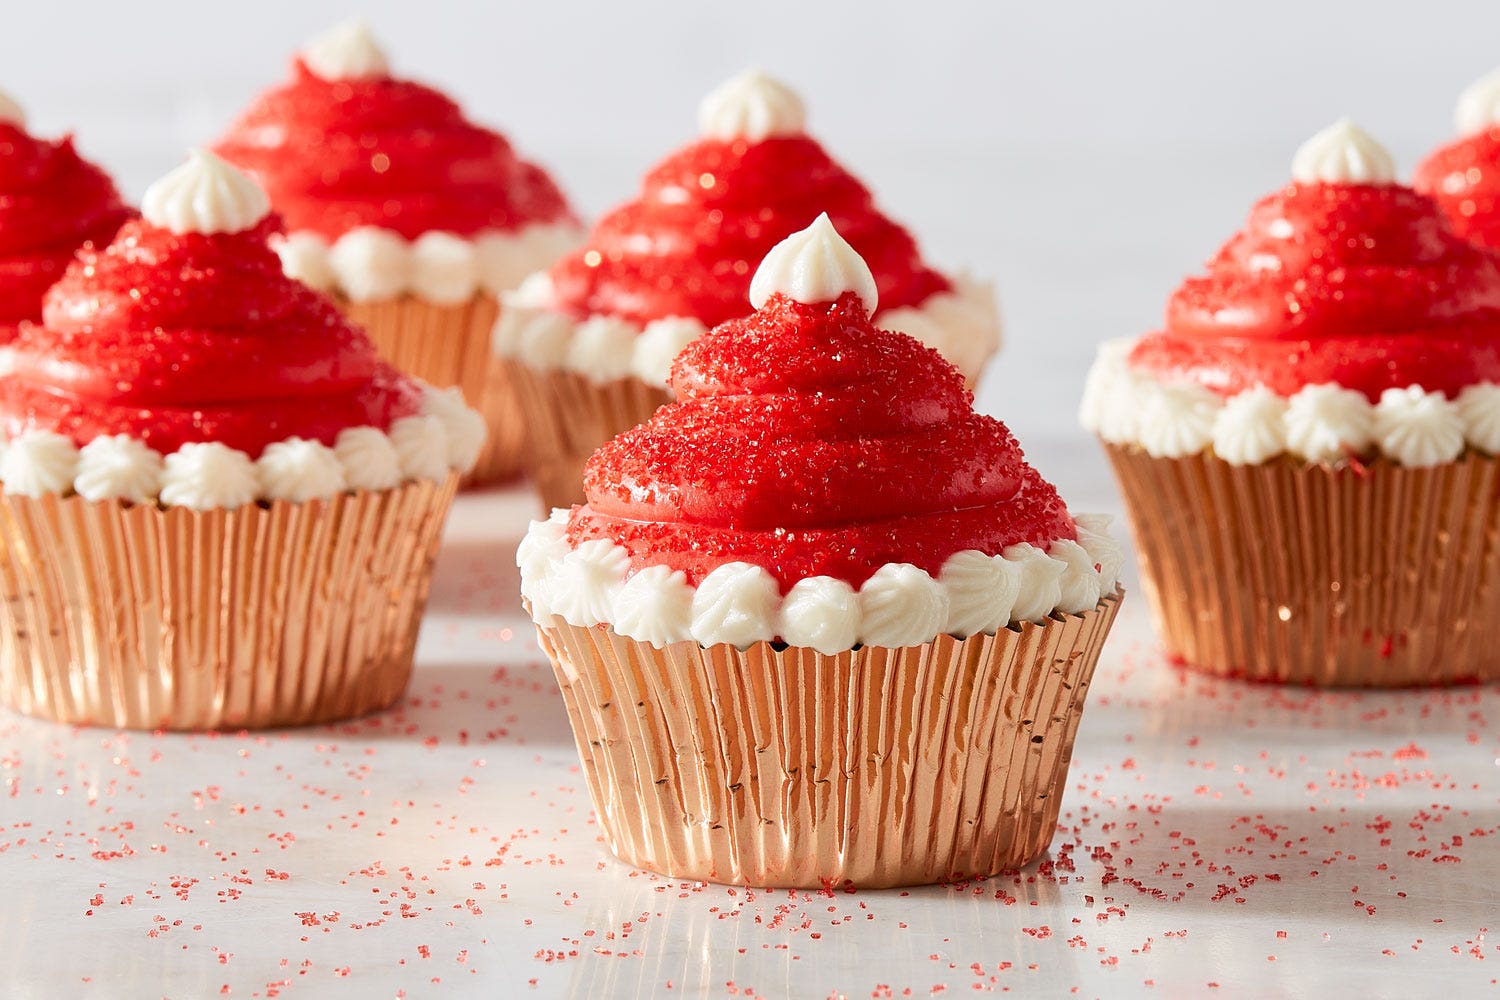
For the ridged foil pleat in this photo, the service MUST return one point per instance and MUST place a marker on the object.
(788, 767)
(1371, 576)
(132, 616)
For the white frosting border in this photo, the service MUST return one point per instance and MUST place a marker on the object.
(741, 604)
(1320, 423)
(962, 324)
(446, 434)
(369, 263)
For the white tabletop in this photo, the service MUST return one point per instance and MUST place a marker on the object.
(1216, 839)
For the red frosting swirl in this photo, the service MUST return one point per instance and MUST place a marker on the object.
(51, 202)
(810, 443)
(1464, 178)
(334, 155)
(182, 338)
(708, 214)
(1365, 286)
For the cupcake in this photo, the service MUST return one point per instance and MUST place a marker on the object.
(590, 342)
(819, 622)
(411, 217)
(219, 508)
(1464, 176)
(52, 201)
(1307, 448)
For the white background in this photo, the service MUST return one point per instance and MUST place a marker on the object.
(1085, 155)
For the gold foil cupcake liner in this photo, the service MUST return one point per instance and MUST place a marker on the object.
(787, 767)
(129, 615)
(449, 345)
(1372, 575)
(568, 418)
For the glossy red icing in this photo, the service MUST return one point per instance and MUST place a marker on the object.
(337, 154)
(705, 218)
(807, 441)
(174, 339)
(1362, 285)
(51, 201)
(1464, 178)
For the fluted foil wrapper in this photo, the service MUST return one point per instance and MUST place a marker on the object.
(132, 616)
(449, 345)
(787, 767)
(569, 417)
(1359, 576)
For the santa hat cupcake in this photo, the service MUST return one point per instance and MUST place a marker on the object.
(219, 507)
(590, 341)
(52, 201)
(1307, 448)
(819, 622)
(411, 217)
(1464, 175)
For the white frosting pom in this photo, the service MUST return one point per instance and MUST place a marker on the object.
(347, 51)
(1080, 586)
(1479, 105)
(751, 106)
(655, 605)
(38, 463)
(1040, 590)
(371, 263)
(588, 580)
(299, 470)
(812, 266)
(542, 548)
(206, 475)
(1343, 153)
(1326, 422)
(205, 195)
(1251, 427)
(1479, 406)
(982, 589)
(1418, 428)
(1107, 554)
(118, 467)
(465, 428)
(902, 606)
(1177, 420)
(444, 267)
(304, 257)
(369, 459)
(658, 346)
(736, 604)
(820, 613)
(422, 444)
(10, 112)
(602, 348)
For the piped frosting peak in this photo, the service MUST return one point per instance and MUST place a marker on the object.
(814, 265)
(1343, 153)
(1478, 106)
(11, 113)
(347, 51)
(751, 106)
(205, 195)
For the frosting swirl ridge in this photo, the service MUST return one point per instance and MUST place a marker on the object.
(51, 202)
(803, 442)
(373, 150)
(1361, 285)
(177, 338)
